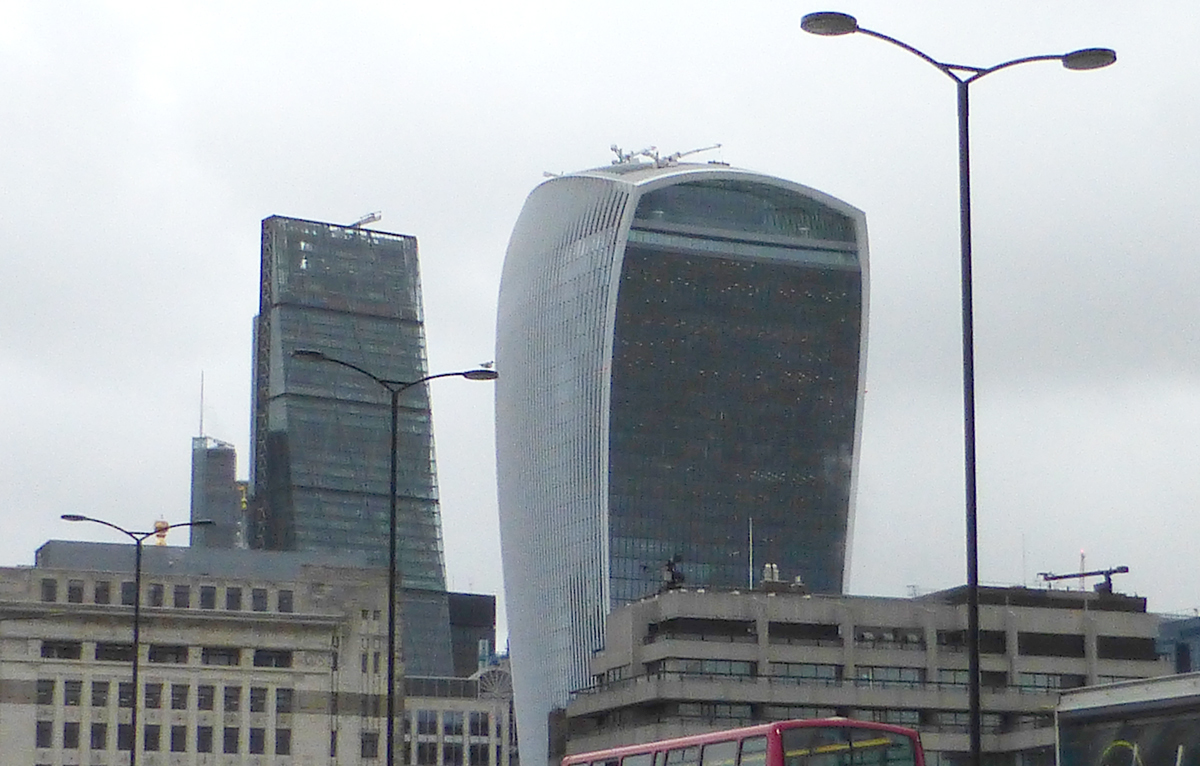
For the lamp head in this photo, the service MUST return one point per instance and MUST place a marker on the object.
(1089, 58)
(310, 354)
(73, 517)
(480, 374)
(829, 23)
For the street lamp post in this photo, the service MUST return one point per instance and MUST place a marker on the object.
(160, 528)
(394, 389)
(830, 23)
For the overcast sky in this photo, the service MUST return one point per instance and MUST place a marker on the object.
(142, 143)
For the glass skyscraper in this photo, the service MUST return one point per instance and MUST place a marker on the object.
(320, 445)
(680, 350)
(215, 494)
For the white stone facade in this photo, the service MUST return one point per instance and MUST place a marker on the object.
(233, 672)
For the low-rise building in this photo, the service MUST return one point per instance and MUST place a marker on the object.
(686, 661)
(235, 667)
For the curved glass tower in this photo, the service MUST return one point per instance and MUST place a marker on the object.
(680, 352)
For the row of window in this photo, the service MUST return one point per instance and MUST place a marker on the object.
(879, 676)
(425, 753)
(476, 722)
(173, 654)
(177, 738)
(155, 695)
(181, 595)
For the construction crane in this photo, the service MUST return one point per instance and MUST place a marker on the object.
(366, 219)
(1104, 587)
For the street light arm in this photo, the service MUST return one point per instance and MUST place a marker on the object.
(122, 530)
(400, 385)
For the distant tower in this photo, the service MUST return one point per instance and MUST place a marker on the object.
(680, 349)
(215, 494)
(320, 432)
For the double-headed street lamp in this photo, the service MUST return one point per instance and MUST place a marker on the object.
(830, 23)
(160, 528)
(394, 388)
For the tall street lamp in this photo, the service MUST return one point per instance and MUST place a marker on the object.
(160, 528)
(830, 23)
(394, 388)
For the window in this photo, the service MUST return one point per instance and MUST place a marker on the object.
(128, 593)
(178, 739)
(124, 694)
(124, 736)
(208, 597)
(452, 753)
(284, 700)
(452, 723)
(150, 737)
(258, 599)
(157, 594)
(182, 597)
(99, 736)
(75, 591)
(233, 699)
(370, 744)
(49, 589)
(333, 744)
(204, 696)
(99, 693)
(230, 741)
(44, 734)
(283, 742)
(152, 698)
(375, 666)
(258, 741)
(719, 753)
(204, 739)
(477, 755)
(221, 655)
(479, 723)
(258, 699)
(106, 652)
(427, 753)
(272, 658)
(62, 650)
(169, 653)
(102, 592)
(364, 662)
(233, 599)
(285, 600)
(426, 722)
(73, 693)
(754, 752)
(179, 696)
(45, 691)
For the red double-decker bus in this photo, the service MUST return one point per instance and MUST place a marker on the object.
(811, 742)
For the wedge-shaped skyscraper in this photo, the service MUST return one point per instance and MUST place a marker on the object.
(680, 351)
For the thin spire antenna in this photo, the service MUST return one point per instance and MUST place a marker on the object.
(202, 403)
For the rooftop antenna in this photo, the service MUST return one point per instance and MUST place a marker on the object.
(202, 403)
(366, 219)
(672, 159)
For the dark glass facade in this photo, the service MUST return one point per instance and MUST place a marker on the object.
(320, 432)
(680, 352)
(215, 494)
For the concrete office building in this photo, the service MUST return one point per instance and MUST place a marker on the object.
(216, 494)
(320, 432)
(276, 663)
(680, 350)
(688, 661)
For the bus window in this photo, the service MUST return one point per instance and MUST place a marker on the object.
(684, 756)
(846, 746)
(754, 752)
(606, 762)
(660, 758)
(720, 754)
(641, 759)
